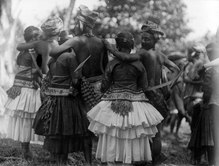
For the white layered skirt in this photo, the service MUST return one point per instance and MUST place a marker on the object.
(124, 138)
(21, 112)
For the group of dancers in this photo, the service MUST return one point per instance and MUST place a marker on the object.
(66, 92)
(57, 96)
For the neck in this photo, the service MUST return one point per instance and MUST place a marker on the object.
(151, 48)
(52, 38)
(125, 50)
(147, 47)
(88, 31)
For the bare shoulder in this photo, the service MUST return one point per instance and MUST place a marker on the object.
(76, 38)
(42, 44)
(146, 55)
(74, 42)
(161, 57)
(94, 40)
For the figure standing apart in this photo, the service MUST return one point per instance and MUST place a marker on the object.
(202, 141)
(24, 96)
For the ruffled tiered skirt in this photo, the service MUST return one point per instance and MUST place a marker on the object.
(124, 138)
(21, 112)
(63, 122)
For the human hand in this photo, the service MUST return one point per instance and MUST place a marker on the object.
(108, 45)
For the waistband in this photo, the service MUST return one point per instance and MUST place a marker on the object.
(129, 95)
(57, 91)
(23, 83)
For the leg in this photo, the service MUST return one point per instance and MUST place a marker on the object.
(156, 145)
(157, 156)
(63, 158)
(215, 110)
(180, 117)
(197, 158)
(172, 122)
(210, 153)
(88, 150)
(26, 151)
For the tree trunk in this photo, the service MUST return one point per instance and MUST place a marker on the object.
(68, 15)
(8, 34)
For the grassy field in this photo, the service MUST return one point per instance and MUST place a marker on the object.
(11, 155)
(174, 149)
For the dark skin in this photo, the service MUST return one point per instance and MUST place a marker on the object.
(86, 44)
(47, 47)
(177, 96)
(83, 47)
(25, 145)
(142, 81)
(90, 46)
(152, 61)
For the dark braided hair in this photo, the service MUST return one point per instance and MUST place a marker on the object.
(29, 33)
(125, 40)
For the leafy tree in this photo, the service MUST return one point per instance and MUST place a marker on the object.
(117, 15)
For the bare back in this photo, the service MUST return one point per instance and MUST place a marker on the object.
(153, 66)
(91, 46)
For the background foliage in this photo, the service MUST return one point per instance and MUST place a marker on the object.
(117, 15)
(114, 16)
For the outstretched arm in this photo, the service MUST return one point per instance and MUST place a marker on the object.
(212, 63)
(121, 55)
(26, 46)
(56, 50)
(169, 64)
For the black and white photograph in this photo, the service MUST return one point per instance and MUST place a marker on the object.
(109, 82)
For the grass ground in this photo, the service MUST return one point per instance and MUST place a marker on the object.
(174, 149)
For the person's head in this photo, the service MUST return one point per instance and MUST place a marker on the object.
(63, 36)
(148, 40)
(52, 26)
(212, 53)
(198, 56)
(197, 53)
(31, 33)
(85, 20)
(125, 41)
(151, 28)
